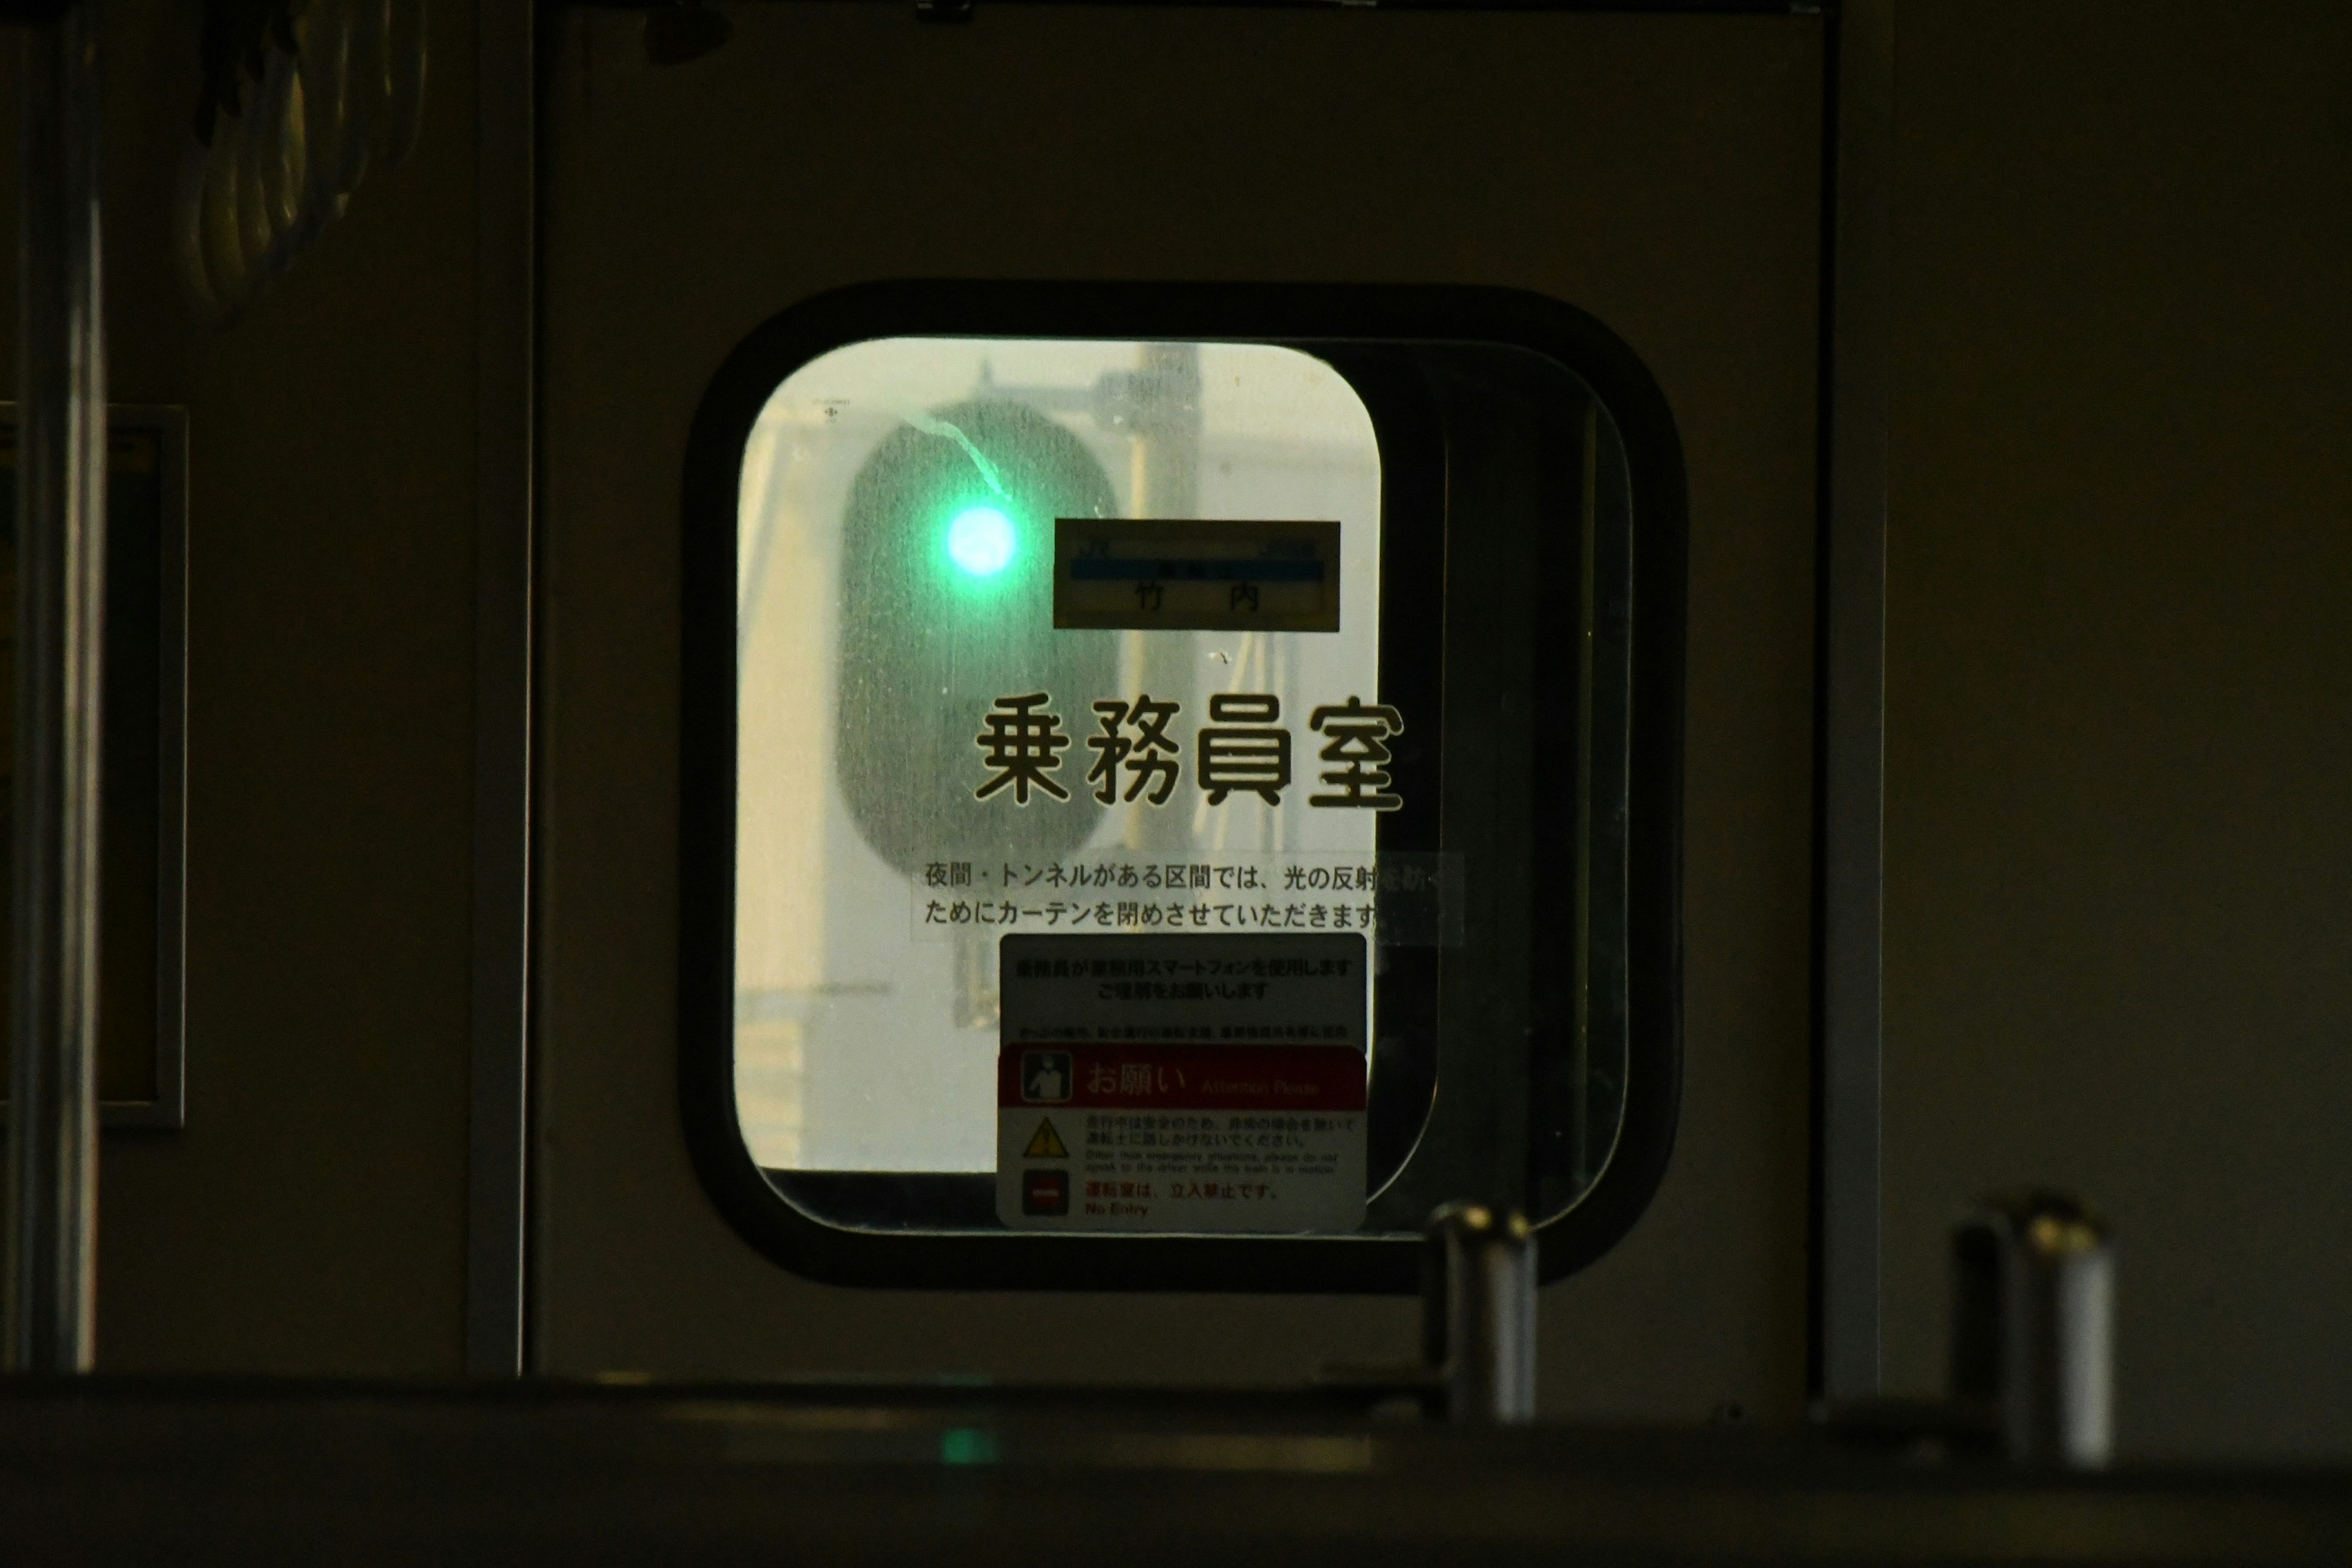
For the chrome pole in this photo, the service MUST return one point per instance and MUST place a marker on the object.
(2057, 1352)
(2033, 1326)
(60, 560)
(1490, 1314)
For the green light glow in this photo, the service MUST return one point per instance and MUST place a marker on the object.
(967, 1445)
(981, 540)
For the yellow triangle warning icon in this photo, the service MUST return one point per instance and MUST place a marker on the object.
(1045, 1144)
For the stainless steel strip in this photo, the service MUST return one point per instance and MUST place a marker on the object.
(60, 577)
(1854, 624)
(498, 1171)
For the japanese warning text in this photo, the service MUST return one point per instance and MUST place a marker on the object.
(1181, 1084)
(1399, 899)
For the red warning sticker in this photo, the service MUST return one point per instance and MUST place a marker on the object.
(1173, 1076)
(1219, 1132)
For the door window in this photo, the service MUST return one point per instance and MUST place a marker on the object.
(1177, 789)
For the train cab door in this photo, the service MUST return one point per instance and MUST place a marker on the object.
(883, 174)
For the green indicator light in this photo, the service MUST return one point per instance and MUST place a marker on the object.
(981, 540)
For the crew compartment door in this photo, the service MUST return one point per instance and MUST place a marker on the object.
(1659, 172)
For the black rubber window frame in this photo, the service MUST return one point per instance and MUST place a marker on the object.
(1371, 316)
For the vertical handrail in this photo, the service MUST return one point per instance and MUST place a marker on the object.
(60, 565)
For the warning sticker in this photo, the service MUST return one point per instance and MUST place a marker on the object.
(1182, 1083)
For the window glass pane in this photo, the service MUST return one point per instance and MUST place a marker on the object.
(927, 763)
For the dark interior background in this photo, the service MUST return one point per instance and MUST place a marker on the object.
(2119, 860)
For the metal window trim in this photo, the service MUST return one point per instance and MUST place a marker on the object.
(167, 1108)
(1857, 374)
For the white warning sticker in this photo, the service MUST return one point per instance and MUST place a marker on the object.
(1182, 1083)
